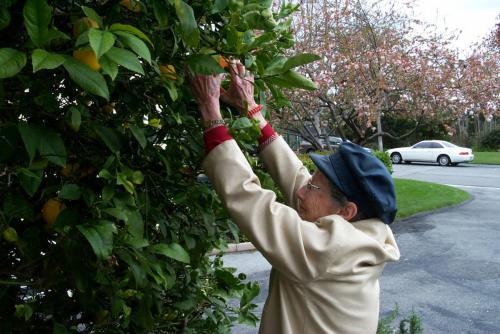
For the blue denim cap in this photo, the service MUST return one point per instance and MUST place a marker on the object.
(363, 179)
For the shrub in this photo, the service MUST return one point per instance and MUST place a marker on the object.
(385, 158)
(491, 141)
(311, 167)
(411, 324)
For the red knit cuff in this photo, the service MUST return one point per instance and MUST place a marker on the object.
(215, 136)
(267, 132)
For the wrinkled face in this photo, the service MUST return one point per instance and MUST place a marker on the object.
(315, 200)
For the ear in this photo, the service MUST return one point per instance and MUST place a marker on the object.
(348, 211)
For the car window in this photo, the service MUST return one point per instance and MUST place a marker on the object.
(422, 145)
(436, 145)
(447, 144)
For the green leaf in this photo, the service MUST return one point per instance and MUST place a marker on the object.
(70, 192)
(174, 251)
(107, 193)
(105, 174)
(109, 137)
(130, 29)
(292, 79)
(139, 135)
(275, 66)
(204, 64)
(300, 60)
(5, 18)
(30, 180)
(86, 78)
(100, 237)
(16, 206)
(11, 62)
(189, 26)
(121, 179)
(220, 5)
(76, 118)
(171, 88)
(117, 213)
(161, 12)
(52, 147)
(31, 135)
(101, 41)
(137, 270)
(82, 39)
(93, 15)
(42, 59)
(126, 59)
(241, 123)
(37, 15)
(24, 311)
(251, 291)
(135, 44)
(56, 34)
(109, 67)
(135, 225)
(59, 329)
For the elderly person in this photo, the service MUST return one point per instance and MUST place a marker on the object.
(329, 244)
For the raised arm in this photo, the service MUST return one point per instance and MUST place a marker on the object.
(285, 168)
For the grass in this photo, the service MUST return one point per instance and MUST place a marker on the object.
(489, 158)
(418, 196)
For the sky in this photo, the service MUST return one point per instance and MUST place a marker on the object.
(475, 18)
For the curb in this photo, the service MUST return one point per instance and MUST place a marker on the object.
(235, 248)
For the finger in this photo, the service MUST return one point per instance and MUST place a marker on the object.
(241, 69)
(233, 70)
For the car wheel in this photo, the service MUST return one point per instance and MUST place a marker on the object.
(396, 158)
(443, 160)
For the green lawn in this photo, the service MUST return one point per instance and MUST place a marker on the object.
(417, 196)
(492, 158)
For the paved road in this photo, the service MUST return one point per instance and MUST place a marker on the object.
(449, 272)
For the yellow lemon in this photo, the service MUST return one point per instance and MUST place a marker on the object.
(51, 209)
(87, 57)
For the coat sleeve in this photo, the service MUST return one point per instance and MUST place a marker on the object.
(285, 168)
(302, 250)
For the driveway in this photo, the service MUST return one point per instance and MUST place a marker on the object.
(449, 271)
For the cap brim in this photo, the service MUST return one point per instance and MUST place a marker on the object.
(325, 166)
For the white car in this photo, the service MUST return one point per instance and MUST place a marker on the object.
(440, 151)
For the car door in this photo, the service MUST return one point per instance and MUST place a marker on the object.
(436, 150)
(418, 152)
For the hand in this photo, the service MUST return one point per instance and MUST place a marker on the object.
(241, 90)
(206, 90)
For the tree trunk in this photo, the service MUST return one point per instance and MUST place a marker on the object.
(379, 132)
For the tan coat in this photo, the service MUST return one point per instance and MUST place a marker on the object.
(325, 273)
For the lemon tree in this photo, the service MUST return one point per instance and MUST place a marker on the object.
(106, 221)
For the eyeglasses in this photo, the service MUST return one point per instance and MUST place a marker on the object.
(311, 186)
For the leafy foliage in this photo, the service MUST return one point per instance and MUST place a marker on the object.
(411, 324)
(106, 224)
(491, 141)
(385, 158)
